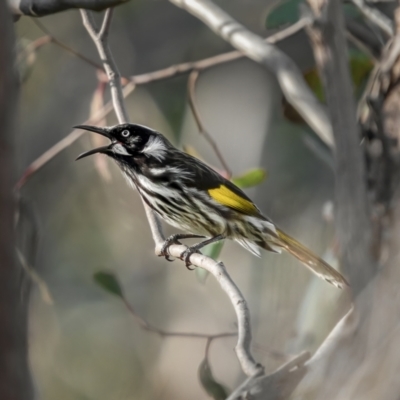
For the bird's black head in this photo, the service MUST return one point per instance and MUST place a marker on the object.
(129, 140)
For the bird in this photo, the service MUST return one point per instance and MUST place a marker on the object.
(193, 197)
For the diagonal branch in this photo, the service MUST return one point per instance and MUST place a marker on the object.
(249, 365)
(290, 78)
(375, 16)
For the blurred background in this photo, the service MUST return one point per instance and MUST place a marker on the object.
(84, 343)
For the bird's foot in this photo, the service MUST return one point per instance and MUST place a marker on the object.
(173, 239)
(185, 256)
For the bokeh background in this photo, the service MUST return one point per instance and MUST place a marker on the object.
(84, 344)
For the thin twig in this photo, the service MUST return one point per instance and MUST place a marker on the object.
(163, 333)
(375, 16)
(48, 155)
(142, 79)
(192, 102)
(66, 47)
(105, 26)
(361, 45)
(182, 68)
(100, 39)
(185, 68)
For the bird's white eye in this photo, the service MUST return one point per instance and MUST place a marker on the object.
(125, 133)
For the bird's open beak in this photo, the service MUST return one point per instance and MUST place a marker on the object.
(102, 131)
(103, 149)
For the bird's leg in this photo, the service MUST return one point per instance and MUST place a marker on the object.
(174, 239)
(194, 249)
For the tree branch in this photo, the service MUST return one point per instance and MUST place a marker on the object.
(163, 333)
(114, 77)
(353, 226)
(276, 386)
(290, 78)
(40, 8)
(375, 16)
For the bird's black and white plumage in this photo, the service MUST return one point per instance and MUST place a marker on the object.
(191, 196)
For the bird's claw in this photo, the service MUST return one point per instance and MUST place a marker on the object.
(185, 256)
(164, 249)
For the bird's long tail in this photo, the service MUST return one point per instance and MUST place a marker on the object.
(309, 259)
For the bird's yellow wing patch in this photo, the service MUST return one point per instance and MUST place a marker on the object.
(223, 195)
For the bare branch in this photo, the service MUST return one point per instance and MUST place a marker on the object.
(290, 78)
(105, 26)
(163, 333)
(48, 155)
(247, 362)
(40, 8)
(375, 16)
(114, 77)
(185, 68)
(192, 102)
(276, 386)
(57, 42)
(353, 226)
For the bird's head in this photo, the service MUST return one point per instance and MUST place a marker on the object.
(129, 141)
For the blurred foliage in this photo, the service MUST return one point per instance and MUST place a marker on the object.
(213, 388)
(109, 283)
(288, 12)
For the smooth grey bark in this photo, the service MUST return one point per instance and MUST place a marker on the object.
(352, 220)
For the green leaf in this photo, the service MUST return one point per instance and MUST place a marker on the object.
(109, 283)
(213, 251)
(283, 13)
(252, 177)
(213, 388)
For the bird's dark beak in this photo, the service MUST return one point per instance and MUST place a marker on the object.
(103, 149)
(102, 131)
